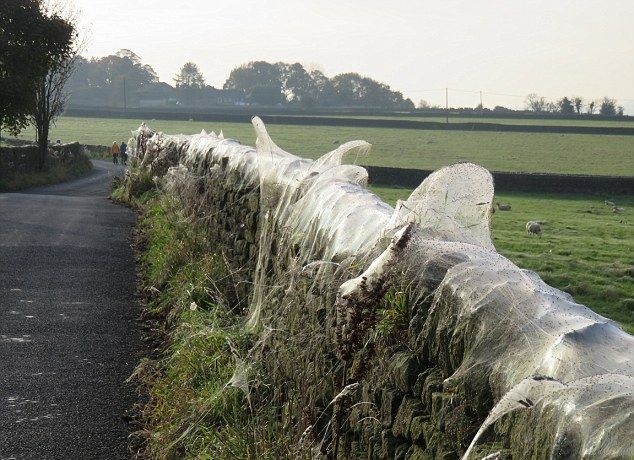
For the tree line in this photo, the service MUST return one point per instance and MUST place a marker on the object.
(574, 106)
(122, 78)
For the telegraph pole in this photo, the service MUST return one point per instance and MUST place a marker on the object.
(446, 105)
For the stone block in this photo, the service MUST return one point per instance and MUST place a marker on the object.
(404, 370)
(417, 453)
(409, 408)
(401, 451)
(417, 429)
(433, 384)
(390, 402)
(388, 444)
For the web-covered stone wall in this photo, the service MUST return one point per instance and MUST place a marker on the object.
(397, 333)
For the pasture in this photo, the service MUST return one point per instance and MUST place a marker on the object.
(610, 123)
(424, 149)
(585, 249)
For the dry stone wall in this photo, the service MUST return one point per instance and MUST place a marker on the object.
(397, 333)
(24, 158)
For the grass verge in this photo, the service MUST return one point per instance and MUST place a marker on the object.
(202, 401)
(54, 175)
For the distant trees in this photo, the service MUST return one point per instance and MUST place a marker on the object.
(571, 106)
(296, 86)
(32, 42)
(109, 80)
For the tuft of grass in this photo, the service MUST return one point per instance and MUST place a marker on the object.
(197, 405)
(135, 189)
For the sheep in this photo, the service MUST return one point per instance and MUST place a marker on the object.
(533, 228)
(617, 210)
(609, 203)
(504, 207)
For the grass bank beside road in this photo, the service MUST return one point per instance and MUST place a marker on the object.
(401, 148)
(193, 411)
(585, 249)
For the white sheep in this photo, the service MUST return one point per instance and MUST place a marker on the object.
(504, 207)
(533, 228)
(618, 210)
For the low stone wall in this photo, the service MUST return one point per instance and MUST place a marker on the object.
(397, 333)
(24, 158)
(515, 182)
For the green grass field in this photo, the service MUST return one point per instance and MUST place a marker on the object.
(584, 250)
(505, 121)
(425, 149)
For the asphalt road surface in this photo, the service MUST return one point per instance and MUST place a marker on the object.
(68, 331)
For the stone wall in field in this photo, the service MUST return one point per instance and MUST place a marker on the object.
(396, 332)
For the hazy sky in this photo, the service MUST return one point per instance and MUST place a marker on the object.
(506, 47)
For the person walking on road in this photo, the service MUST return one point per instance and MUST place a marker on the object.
(124, 153)
(114, 151)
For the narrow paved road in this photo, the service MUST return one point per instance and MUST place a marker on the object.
(68, 335)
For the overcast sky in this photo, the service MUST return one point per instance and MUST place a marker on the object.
(506, 48)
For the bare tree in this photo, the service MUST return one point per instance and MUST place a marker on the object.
(578, 103)
(51, 95)
(536, 103)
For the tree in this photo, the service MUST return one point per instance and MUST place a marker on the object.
(423, 104)
(326, 93)
(608, 107)
(189, 76)
(189, 83)
(31, 42)
(578, 102)
(620, 110)
(591, 106)
(265, 95)
(565, 106)
(50, 95)
(297, 84)
(536, 103)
